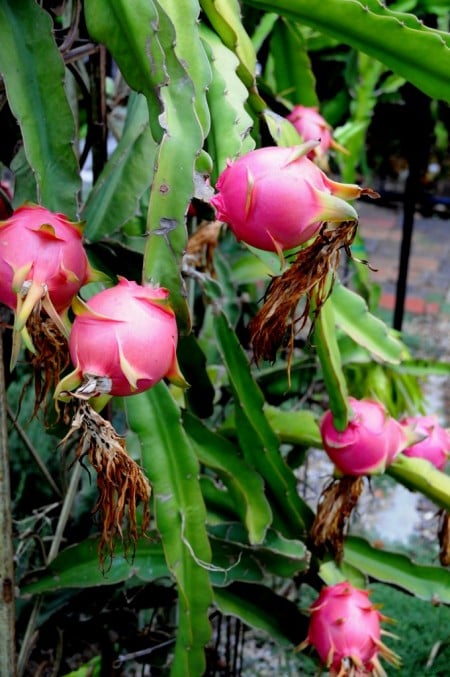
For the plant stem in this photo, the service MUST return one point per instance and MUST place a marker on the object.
(57, 538)
(7, 608)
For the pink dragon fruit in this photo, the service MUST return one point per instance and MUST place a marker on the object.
(311, 125)
(435, 445)
(370, 442)
(345, 630)
(42, 261)
(276, 198)
(123, 341)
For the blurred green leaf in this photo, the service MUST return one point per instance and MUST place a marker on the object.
(257, 439)
(125, 177)
(78, 567)
(172, 468)
(294, 426)
(417, 474)
(399, 40)
(330, 360)
(276, 555)
(33, 72)
(226, 96)
(352, 316)
(244, 484)
(263, 609)
(292, 67)
(427, 582)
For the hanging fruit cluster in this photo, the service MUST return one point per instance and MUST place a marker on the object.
(121, 342)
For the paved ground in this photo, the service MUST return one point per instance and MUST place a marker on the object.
(426, 322)
(428, 291)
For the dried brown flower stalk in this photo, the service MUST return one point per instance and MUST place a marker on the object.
(201, 245)
(277, 322)
(444, 538)
(50, 359)
(336, 504)
(121, 482)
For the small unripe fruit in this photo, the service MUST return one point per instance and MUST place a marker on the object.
(369, 443)
(435, 445)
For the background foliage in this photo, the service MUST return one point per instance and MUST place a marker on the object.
(119, 114)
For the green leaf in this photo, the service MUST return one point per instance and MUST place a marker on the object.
(130, 31)
(331, 363)
(419, 54)
(294, 426)
(226, 99)
(172, 468)
(257, 439)
(78, 567)
(263, 609)
(277, 555)
(427, 582)
(200, 394)
(417, 474)
(225, 18)
(182, 141)
(125, 177)
(352, 315)
(281, 130)
(33, 73)
(292, 67)
(244, 484)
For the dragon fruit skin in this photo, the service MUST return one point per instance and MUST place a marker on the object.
(276, 199)
(124, 338)
(370, 442)
(435, 445)
(41, 253)
(345, 630)
(310, 124)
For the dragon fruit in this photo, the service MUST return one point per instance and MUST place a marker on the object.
(276, 199)
(123, 341)
(370, 442)
(435, 445)
(345, 630)
(310, 124)
(42, 265)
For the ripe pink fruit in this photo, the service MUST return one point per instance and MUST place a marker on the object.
(276, 198)
(312, 126)
(435, 447)
(345, 630)
(41, 260)
(123, 341)
(369, 443)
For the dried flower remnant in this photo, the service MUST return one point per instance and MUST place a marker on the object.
(121, 483)
(308, 278)
(49, 361)
(201, 245)
(444, 538)
(336, 504)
